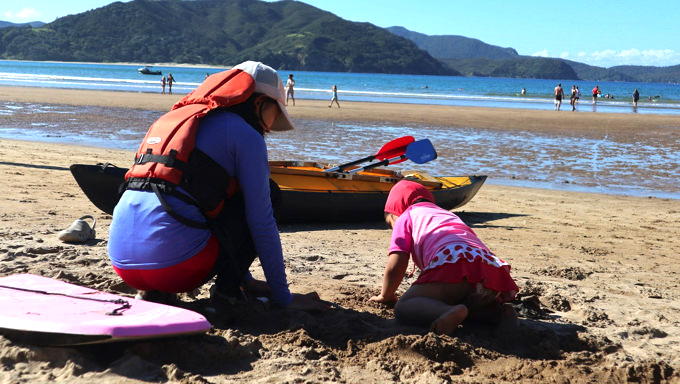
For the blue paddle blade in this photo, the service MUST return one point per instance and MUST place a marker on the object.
(421, 151)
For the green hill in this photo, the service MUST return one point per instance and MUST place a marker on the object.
(631, 73)
(34, 24)
(472, 57)
(520, 67)
(455, 47)
(285, 35)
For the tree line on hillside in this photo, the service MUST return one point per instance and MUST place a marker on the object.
(286, 35)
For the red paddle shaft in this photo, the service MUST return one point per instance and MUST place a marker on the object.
(394, 148)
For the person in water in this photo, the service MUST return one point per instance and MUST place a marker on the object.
(171, 80)
(157, 242)
(459, 276)
(596, 93)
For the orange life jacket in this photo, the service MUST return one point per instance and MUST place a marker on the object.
(168, 158)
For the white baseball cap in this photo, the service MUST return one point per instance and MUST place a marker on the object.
(268, 82)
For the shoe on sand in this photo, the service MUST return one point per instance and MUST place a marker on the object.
(79, 231)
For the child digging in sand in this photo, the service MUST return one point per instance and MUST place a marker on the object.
(459, 276)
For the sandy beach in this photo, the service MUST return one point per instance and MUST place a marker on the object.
(598, 274)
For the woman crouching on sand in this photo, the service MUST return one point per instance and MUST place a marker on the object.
(172, 236)
(459, 276)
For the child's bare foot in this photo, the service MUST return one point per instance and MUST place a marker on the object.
(448, 322)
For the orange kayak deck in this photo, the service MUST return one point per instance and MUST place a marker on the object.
(311, 176)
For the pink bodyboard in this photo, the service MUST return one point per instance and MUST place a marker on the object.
(46, 307)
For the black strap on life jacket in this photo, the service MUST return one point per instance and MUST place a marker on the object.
(169, 160)
(171, 211)
(204, 184)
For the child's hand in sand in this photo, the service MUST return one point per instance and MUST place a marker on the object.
(308, 302)
(385, 300)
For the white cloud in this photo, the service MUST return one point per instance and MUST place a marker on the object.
(610, 57)
(543, 53)
(28, 14)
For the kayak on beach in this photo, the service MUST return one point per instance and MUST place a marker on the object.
(310, 194)
(307, 192)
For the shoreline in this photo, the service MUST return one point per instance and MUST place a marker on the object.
(441, 90)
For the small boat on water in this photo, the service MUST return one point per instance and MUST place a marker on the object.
(147, 70)
(307, 192)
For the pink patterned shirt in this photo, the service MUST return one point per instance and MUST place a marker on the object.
(424, 229)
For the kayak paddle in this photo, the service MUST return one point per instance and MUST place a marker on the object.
(419, 152)
(394, 148)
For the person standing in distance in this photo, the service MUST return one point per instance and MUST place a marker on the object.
(170, 81)
(290, 93)
(596, 93)
(334, 97)
(636, 97)
(559, 93)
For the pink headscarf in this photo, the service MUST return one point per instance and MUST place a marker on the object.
(404, 194)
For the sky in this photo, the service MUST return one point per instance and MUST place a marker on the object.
(601, 33)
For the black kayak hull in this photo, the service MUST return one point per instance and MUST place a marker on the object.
(101, 184)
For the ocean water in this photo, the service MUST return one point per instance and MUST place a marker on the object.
(418, 89)
(604, 165)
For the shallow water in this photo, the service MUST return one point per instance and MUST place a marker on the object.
(640, 166)
(602, 165)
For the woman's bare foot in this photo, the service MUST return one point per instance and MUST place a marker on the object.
(448, 322)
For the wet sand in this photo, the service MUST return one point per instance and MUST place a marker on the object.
(563, 122)
(598, 276)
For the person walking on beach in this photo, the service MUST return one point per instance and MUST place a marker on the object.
(559, 94)
(173, 236)
(290, 93)
(334, 97)
(574, 92)
(163, 85)
(459, 276)
(170, 81)
(636, 97)
(596, 93)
